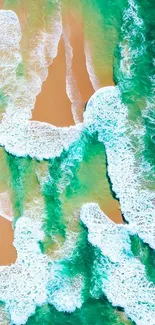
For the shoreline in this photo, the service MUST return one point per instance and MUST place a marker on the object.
(68, 86)
(49, 102)
(50, 106)
(8, 253)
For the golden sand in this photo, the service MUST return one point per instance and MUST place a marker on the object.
(52, 104)
(7, 250)
(79, 61)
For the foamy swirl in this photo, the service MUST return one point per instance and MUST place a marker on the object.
(109, 116)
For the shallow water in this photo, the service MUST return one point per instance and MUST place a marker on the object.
(80, 198)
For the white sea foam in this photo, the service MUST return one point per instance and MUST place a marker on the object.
(37, 139)
(5, 206)
(22, 92)
(23, 284)
(125, 62)
(4, 318)
(98, 225)
(18, 135)
(71, 86)
(89, 64)
(64, 293)
(125, 284)
(35, 209)
(10, 32)
(35, 279)
(106, 114)
(46, 50)
(132, 26)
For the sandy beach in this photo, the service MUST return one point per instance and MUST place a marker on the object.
(112, 210)
(7, 250)
(79, 61)
(52, 104)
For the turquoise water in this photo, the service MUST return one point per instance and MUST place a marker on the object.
(83, 198)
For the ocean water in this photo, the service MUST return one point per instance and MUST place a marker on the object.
(81, 199)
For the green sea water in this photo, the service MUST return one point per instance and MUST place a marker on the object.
(51, 192)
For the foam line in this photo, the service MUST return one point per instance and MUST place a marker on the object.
(37, 139)
(89, 65)
(4, 205)
(123, 276)
(35, 279)
(18, 135)
(71, 86)
(109, 116)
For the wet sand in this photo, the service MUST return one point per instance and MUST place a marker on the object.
(112, 210)
(52, 104)
(79, 61)
(7, 250)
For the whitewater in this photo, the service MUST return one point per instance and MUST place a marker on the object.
(68, 265)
